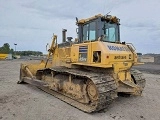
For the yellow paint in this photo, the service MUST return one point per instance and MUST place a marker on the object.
(88, 19)
(3, 56)
(119, 57)
(33, 67)
(113, 55)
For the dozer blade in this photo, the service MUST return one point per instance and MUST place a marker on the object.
(34, 82)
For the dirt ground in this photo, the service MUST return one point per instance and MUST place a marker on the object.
(26, 102)
(149, 68)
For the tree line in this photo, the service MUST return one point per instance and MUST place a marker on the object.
(27, 53)
(5, 49)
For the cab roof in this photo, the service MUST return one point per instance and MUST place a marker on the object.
(104, 17)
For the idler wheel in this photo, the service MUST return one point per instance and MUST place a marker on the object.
(92, 91)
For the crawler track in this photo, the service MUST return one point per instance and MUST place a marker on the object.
(105, 85)
(138, 78)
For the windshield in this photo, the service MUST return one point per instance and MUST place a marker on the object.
(110, 32)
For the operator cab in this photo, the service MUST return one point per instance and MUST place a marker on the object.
(103, 28)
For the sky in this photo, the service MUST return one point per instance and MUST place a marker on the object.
(31, 23)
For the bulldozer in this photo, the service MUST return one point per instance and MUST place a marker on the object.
(91, 71)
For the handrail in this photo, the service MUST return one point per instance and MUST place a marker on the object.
(131, 45)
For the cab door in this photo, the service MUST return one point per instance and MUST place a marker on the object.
(88, 34)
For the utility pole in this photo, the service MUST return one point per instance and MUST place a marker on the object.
(15, 48)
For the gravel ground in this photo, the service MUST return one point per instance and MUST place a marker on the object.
(26, 102)
(149, 68)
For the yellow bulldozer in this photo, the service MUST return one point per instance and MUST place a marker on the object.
(90, 71)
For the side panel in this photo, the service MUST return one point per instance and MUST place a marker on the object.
(81, 53)
(118, 52)
(106, 54)
(96, 54)
(62, 56)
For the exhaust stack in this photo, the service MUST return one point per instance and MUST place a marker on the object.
(64, 35)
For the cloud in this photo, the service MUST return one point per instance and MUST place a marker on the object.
(31, 23)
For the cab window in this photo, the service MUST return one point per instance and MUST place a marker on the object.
(110, 32)
(89, 31)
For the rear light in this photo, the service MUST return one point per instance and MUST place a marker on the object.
(107, 56)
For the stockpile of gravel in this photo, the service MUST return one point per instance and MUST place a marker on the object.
(156, 58)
